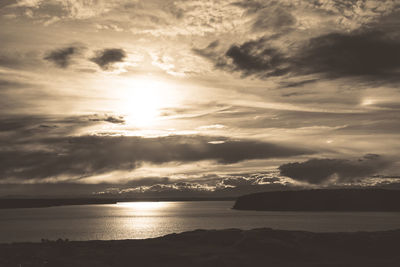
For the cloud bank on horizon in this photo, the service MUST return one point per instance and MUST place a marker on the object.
(207, 98)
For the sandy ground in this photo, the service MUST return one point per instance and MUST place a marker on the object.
(231, 247)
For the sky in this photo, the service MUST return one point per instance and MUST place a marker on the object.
(162, 98)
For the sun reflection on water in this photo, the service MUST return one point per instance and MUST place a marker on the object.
(144, 206)
(143, 219)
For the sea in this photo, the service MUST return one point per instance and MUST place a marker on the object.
(140, 220)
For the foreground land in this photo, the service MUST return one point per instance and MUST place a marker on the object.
(322, 200)
(232, 247)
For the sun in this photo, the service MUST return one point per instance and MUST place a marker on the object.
(142, 100)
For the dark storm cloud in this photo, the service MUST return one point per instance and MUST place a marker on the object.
(89, 155)
(62, 57)
(105, 58)
(253, 57)
(256, 57)
(369, 53)
(317, 171)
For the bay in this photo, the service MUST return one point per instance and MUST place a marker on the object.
(139, 220)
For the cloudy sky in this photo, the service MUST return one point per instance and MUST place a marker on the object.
(198, 98)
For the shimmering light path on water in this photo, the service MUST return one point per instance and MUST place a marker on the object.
(151, 219)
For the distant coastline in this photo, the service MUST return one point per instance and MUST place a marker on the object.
(43, 203)
(322, 200)
(19, 203)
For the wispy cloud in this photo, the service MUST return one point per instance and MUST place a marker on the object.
(62, 57)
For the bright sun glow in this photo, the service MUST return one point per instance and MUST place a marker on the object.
(142, 100)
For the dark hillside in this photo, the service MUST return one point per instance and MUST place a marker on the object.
(322, 200)
(231, 247)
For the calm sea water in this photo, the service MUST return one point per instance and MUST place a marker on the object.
(151, 219)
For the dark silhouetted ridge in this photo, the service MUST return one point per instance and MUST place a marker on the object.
(322, 200)
(215, 248)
